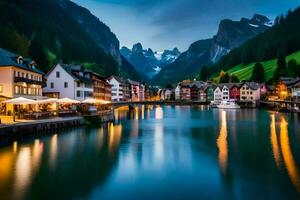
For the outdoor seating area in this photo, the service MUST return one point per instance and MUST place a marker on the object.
(27, 109)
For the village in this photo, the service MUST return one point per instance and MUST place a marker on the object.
(247, 94)
(28, 93)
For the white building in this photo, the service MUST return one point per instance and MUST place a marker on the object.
(250, 92)
(120, 89)
(142, 92)
(218, 94)
(295, 90)
(177, 92)
(166, 94)
(225, 93)
(69, 81)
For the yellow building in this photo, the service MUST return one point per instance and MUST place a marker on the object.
(19, 76)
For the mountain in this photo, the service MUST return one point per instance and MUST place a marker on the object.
(231, 34)
(282, 38)
(167, 57)
(186, 64)
(147, 62)
(51, 31)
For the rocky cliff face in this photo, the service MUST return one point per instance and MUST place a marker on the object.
(147, 62)
(231, 34)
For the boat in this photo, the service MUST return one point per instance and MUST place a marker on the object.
(228, 105)
(214, 104)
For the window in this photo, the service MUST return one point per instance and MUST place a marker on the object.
(66, 84)
(78, 84)
(1, 88)
(52, 85)
(17, 90)
(24, 90)
(78, 93)
(57, 74)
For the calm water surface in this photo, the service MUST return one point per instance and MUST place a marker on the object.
(160, 153)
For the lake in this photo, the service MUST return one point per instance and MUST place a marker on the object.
(171, 152)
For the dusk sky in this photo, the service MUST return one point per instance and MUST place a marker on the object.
(165, 24)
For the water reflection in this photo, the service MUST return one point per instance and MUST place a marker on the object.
(222, 144)
(53, 151)
(114, 137)
(131, 158)
(27, 164)
(15, 146)
(274, 141)
(287, 154)
(159, 142)
(158, 113)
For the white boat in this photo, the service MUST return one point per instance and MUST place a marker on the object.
(214, 104)
(228, 105)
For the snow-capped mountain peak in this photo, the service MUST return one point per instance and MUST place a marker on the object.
(148, 62)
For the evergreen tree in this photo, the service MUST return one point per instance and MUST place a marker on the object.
(293, 69)
(281, 69)
(224, 77)
(258, 73)
(37, 51)
(234, 79)
(204, 73)
(281, 61)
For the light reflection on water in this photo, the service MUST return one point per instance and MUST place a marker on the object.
(222, 143)
(154, 152)
(287, 153)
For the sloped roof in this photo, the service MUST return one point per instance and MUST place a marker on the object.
(72, 69)
(132, 82)
(293, 83)
(119, 79)
(8, 58)
(252, 85)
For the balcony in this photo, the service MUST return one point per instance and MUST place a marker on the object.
(28, 81)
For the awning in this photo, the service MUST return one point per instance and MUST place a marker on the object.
(19, 101)
(46, 101)
(67, 101)
(95, 101)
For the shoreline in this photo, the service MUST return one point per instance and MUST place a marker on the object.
(24, 128)
(59, 123)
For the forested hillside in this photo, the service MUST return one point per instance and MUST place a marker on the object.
(282, 39)
(51, 31)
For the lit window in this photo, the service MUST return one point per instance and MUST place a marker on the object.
(17, 90)
(24, 90)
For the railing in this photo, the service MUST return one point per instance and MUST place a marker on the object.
(29, 81)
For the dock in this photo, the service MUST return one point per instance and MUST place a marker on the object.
(26, 127)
